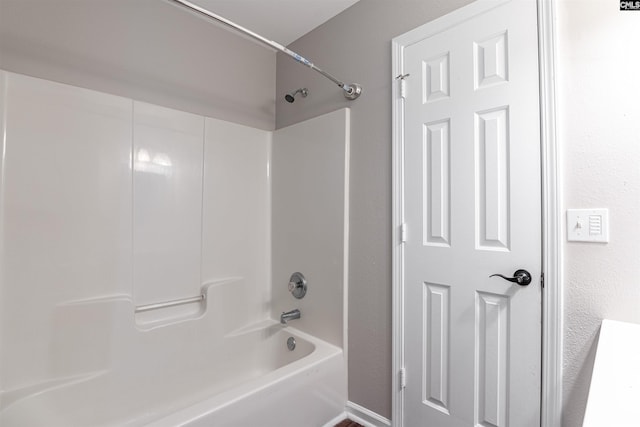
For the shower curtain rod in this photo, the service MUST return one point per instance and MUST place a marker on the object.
(351, 90)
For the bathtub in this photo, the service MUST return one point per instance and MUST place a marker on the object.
(170, 376)
(288, 390)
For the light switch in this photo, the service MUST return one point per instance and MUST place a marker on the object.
(588, 225)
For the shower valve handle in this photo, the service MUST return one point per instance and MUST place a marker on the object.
(297, 285)
(292, 286)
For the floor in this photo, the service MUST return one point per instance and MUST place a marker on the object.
(348, 423)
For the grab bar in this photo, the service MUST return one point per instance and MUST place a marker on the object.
(149, 307)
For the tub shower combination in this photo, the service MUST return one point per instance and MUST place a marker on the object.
(139, 288)
(99, 327)
(246, 377)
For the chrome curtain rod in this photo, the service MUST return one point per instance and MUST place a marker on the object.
(351, 90)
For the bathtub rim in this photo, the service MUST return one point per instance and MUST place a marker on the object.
(322, 352)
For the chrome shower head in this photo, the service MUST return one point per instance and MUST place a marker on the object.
(290, 97)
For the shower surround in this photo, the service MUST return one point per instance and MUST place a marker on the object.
(108, 204)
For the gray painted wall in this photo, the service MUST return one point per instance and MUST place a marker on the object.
(356, 46)
(148, 50)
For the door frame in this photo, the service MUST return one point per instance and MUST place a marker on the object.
(552, 231)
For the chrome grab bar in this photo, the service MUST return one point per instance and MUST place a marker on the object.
(149, 307)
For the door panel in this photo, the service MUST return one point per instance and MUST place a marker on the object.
(472, 208)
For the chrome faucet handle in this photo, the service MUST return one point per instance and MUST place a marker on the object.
(292, 286)
(297, 285)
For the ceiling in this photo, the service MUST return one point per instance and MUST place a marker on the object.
(282, 21)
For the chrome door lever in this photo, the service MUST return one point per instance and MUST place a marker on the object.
(521, 277)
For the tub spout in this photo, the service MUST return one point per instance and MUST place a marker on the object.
(289, 315)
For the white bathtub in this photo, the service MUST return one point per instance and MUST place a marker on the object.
(288, 390)
(167, 377)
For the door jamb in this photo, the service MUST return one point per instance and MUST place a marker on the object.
(552, 231)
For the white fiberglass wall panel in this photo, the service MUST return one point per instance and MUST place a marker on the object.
(310, 175)
(67, 231)
(236, 214)
(167, 203)
(66, 217)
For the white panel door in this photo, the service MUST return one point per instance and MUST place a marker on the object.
(472, 209)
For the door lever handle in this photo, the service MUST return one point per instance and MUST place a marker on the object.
(521, 277)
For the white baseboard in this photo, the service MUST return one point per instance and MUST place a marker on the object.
(336, 420)
(365, 417)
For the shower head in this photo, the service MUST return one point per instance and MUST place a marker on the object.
(290, 97)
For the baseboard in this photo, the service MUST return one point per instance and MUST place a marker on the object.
(365, 417)
(336, 420)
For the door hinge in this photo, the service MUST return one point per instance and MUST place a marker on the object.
(403, 84)
(402, 378)
(403, 232)
(542, 280)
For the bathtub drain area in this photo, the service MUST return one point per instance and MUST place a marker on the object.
(291, 343)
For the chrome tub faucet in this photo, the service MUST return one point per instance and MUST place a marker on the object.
(289, 315)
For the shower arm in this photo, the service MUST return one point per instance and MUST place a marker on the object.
(351, 91)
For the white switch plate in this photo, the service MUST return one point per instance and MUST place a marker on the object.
(588, 225)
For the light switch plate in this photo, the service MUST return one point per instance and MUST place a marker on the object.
(588, 225)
